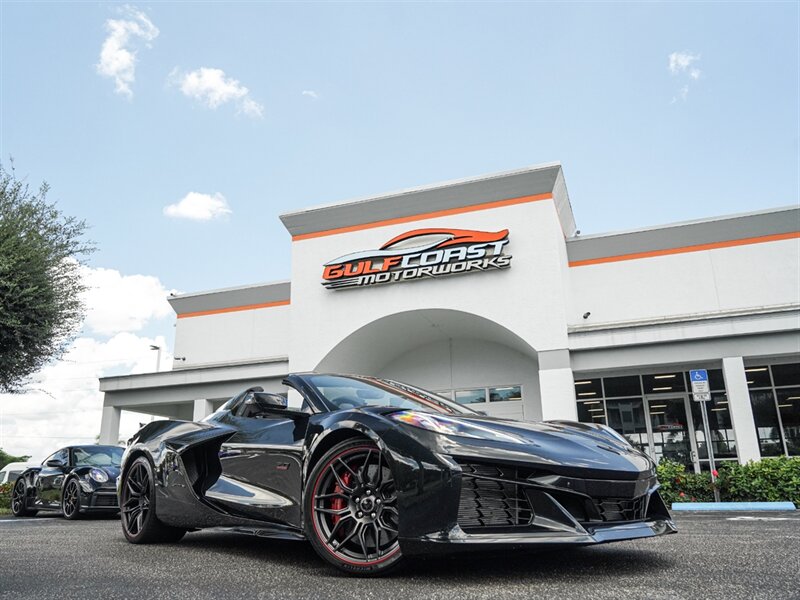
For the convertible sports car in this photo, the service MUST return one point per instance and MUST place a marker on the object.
(370, 471)
(75, 481)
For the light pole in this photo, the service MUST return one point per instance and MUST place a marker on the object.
(158, 356)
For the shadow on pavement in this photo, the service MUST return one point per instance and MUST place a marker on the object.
(577, 563)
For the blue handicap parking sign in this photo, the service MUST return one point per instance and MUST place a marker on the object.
(698, 375)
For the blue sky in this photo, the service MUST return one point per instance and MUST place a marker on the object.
(406, 94)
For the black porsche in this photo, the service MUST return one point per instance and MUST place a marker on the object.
(75, 481)
(370, 471)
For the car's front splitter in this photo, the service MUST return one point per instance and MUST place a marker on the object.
(457, 540)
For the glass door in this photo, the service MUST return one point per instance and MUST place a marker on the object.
(669, 420)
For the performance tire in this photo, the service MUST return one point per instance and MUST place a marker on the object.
(138, 507)
(350, 507)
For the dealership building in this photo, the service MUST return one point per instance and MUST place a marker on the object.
(483, 291)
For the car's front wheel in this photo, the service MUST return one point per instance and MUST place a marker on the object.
(351, 509)
(71, 500)
(138, 507)
(19, 500)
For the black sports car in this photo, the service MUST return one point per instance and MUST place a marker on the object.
(75, 481)
(370, 470)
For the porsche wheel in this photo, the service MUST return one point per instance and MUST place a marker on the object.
(18, 500)
(71, 500)
(351, 509)
(137, 507)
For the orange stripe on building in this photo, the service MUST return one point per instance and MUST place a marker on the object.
(422, 216)
(698, 248)
(219, 311)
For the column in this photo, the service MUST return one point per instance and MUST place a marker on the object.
(202, 408)
(109, 425)
(744, 426)
(557, 386)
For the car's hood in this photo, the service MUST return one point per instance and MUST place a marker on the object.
(565, 447)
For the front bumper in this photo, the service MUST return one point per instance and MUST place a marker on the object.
(487, 505)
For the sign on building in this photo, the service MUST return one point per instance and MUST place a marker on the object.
(418, 254)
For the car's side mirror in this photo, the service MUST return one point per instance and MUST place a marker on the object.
(56, 464)
(267, 401)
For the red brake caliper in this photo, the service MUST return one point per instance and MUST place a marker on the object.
(338, 502)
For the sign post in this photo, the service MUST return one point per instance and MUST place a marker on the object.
(701, 392)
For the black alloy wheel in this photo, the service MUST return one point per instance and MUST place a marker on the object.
(351, 509)
(18, 500)
(71, 500)
(137, 507)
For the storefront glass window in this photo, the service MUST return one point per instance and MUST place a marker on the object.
(622, 386)
(504, 394)
(670, 430)
(663, 383)
(471, 396)
(767, 424)
(786, 374)
(591, 411)
(757, 377)
(789, 409)
(775, 397)
(719, 423)
(627, 417)
(586, 389)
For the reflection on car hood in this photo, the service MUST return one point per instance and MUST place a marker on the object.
(559, 445)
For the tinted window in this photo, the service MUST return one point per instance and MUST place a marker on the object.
(757, 377)
(588, 388)
(663, 383)
(786, 374)
(622, 386)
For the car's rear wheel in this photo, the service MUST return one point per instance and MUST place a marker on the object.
(351, 509)
(71, 500)
(138, 507)
(19, 500)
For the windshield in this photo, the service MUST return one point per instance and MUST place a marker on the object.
(354, 392)
(98, 456)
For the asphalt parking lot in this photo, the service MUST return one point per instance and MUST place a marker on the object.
(730, 556)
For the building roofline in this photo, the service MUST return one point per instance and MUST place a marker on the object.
(538, 182)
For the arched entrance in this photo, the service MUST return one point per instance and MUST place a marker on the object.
(447, 351)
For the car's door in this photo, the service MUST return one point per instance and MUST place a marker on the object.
(262, 462)
(50, 478)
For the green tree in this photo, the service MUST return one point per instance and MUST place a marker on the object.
(6, 458)
(41, 252)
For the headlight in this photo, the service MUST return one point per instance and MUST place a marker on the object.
(448, 426)
(98, 475)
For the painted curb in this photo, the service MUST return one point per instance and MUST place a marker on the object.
(732, 506)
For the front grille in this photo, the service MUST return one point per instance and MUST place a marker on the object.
(491, 503)
(105, 500)
(621, 509)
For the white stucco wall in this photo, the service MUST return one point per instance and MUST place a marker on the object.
(232, 337)
(749, 276)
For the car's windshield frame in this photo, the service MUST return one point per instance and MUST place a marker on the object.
(111, 451)
(418, 398)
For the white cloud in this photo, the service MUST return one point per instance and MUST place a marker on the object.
(212, 88)
(63, 404)
(117, 302)
(199, 207)
(118, 53)
(311, 94)
(682, 64)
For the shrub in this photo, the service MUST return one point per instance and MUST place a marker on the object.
(769, 480)
(5, 495)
